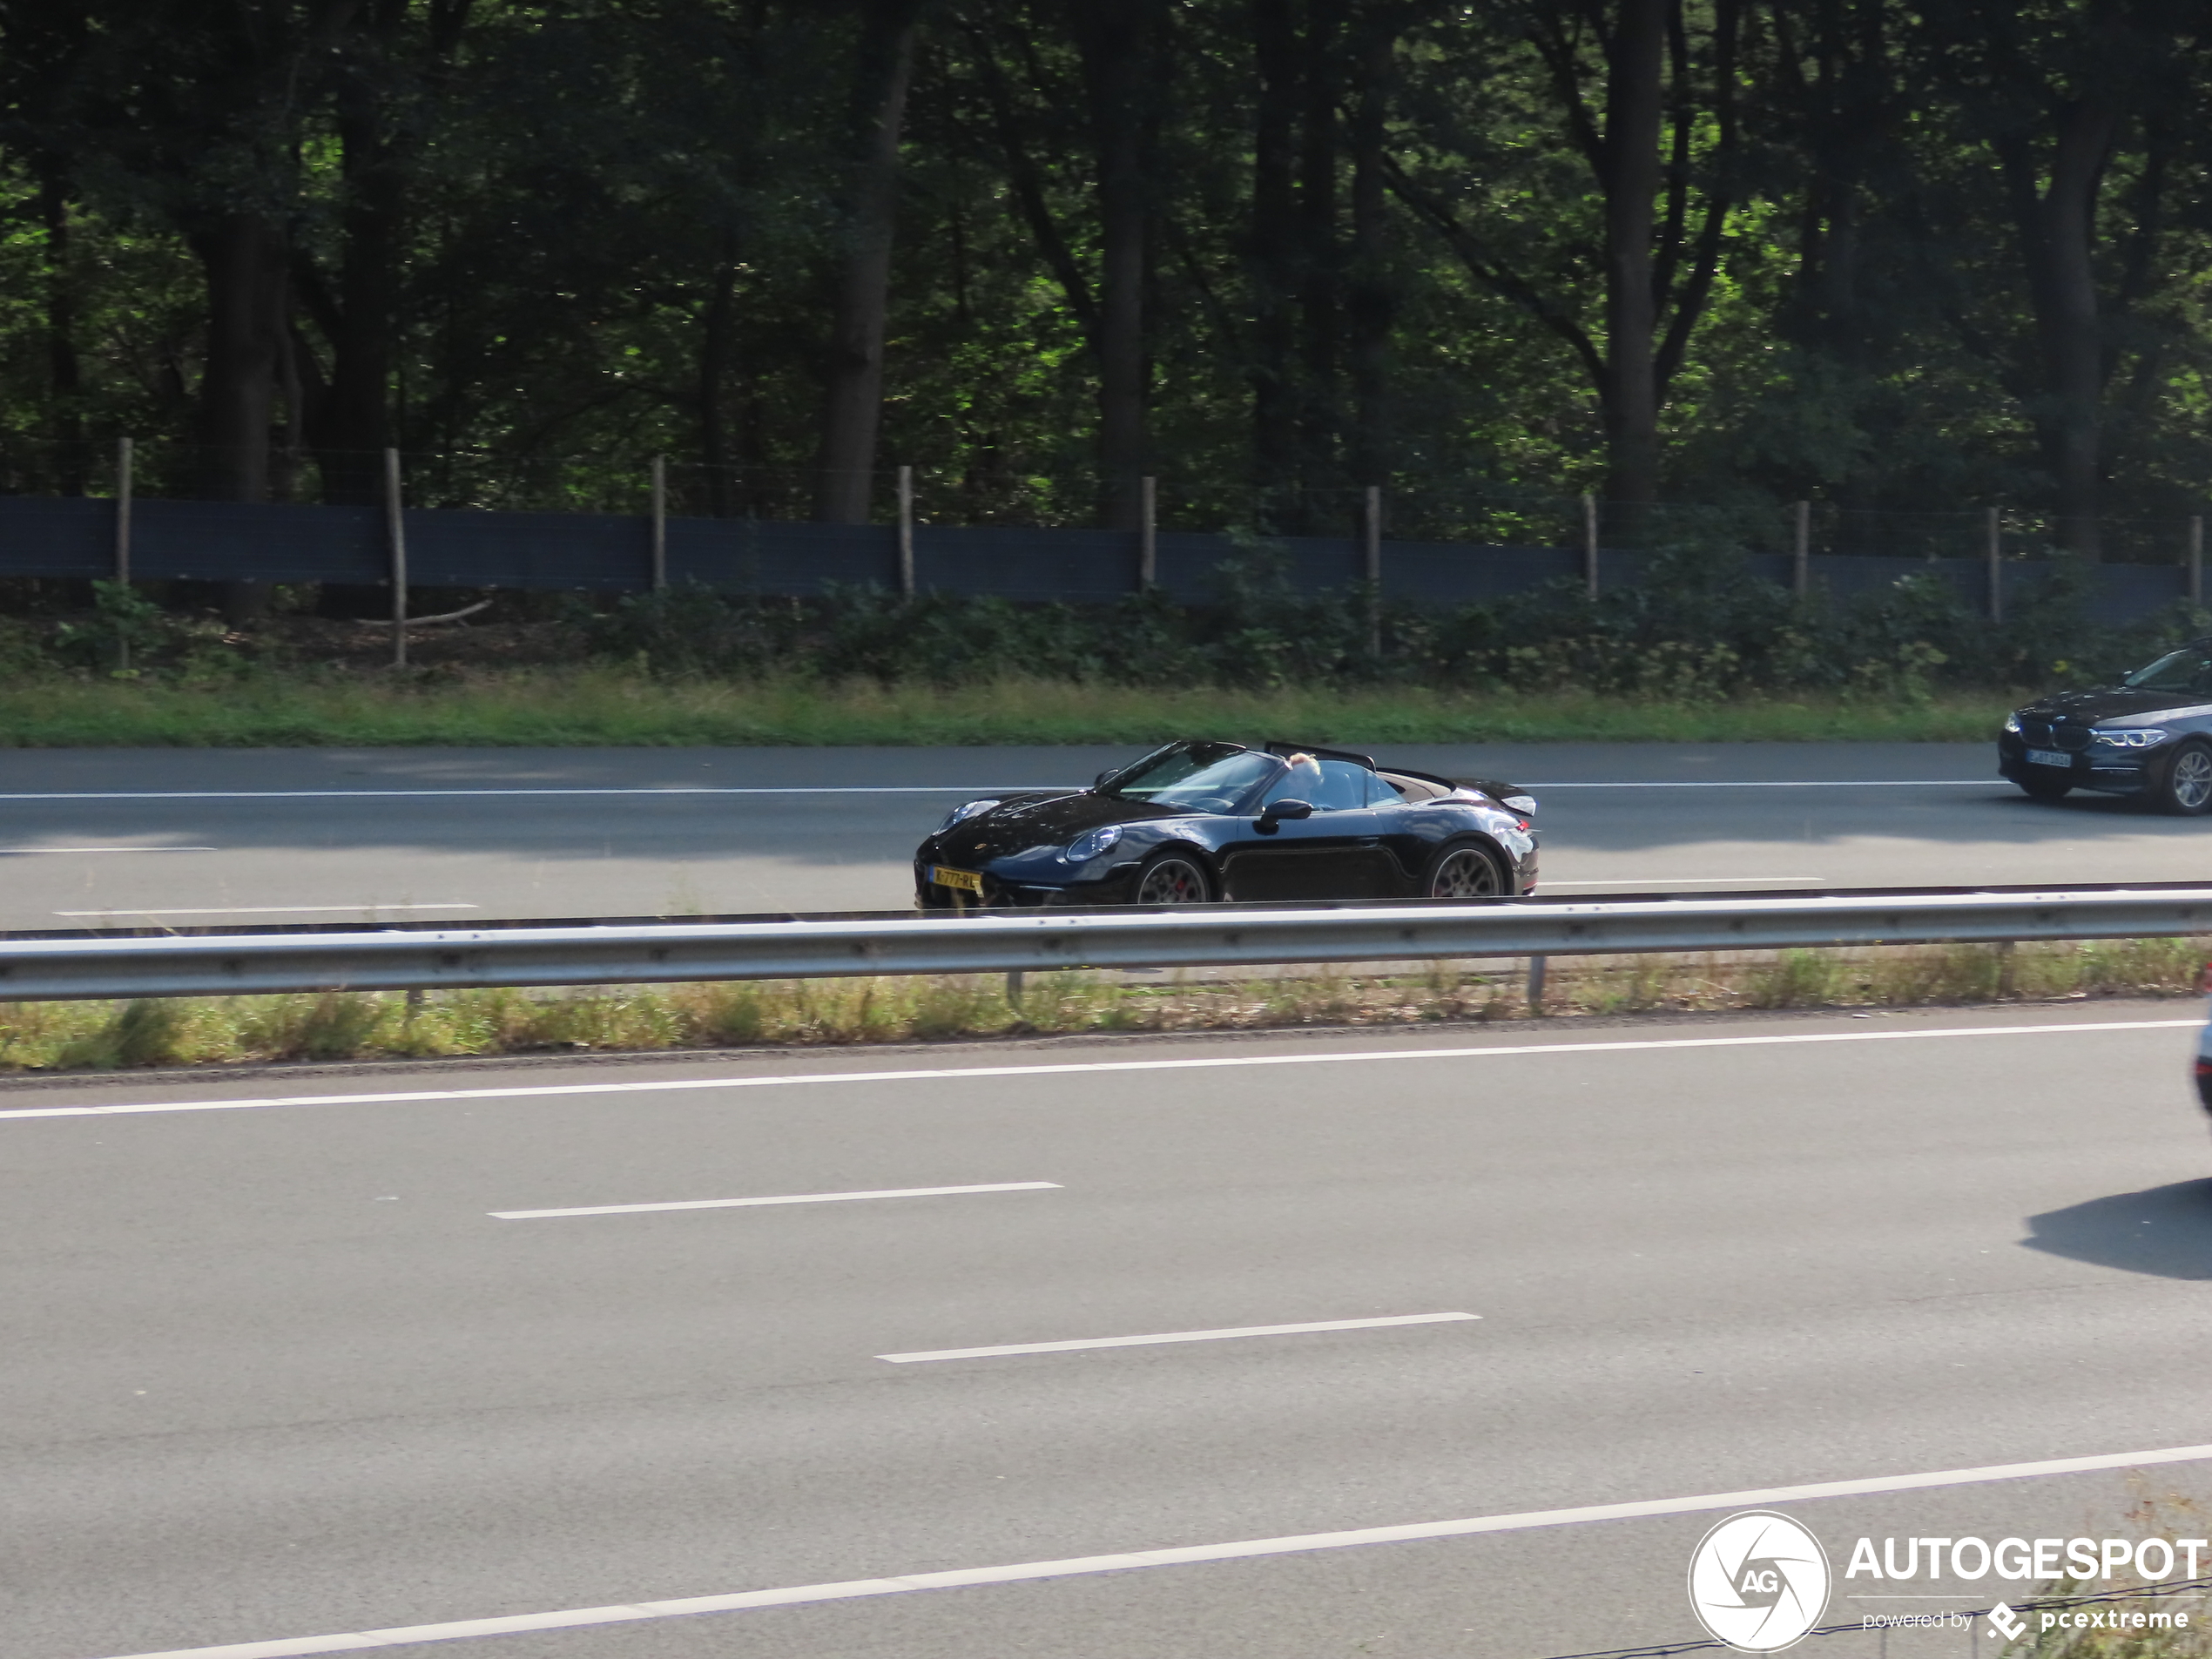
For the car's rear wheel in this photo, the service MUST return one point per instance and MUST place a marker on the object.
(2044, 788)
(1465, 872)
(2186, 789)
(1172, 878)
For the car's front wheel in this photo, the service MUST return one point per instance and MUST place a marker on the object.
(1172, 878)
(2186, 788)
(1464, 872)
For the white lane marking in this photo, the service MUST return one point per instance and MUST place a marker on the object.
(536, 1092)
(1990, 782)
(748, 1203)
(1173, 1336)
(109, 849)
(648, 789)
(1676, 880)
(1246, 1549)
(262, 909)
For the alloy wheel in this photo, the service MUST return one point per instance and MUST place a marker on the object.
(2192, 781)
(1465, 874)
(1172, 881)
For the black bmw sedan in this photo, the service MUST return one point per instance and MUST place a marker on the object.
(1195, 822)
(2149, 736)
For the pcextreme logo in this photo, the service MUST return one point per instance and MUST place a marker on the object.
(1759, 1581)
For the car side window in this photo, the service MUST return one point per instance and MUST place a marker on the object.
(1326, 785)
(1382, 792)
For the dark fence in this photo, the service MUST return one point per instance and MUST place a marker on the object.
(222, 541)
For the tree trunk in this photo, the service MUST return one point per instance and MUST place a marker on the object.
(2059, 237)
(1631, 177)
(1272, 261)
(852, 399)
(1319, 267)
(714, 369)
(1371, 299)
(354, 422)
(243, 255)
(1116, 45)
(64, 381)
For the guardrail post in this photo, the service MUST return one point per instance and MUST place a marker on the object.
(1536, 987)
(1148, 534)
(1589, 543)
(2196, 560)
(395, 531)
(2007, 973)
(1801, 554)
(1996, 567)
(1014, 979)
(906, 532)
(123, 457)
(660, 524)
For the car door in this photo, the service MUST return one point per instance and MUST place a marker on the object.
(1336, 854)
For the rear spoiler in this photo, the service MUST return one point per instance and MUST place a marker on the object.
(1491, 787)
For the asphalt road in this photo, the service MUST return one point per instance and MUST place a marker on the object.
(284, 1371)
(195, 838)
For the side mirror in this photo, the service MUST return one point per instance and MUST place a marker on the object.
(1276, 811)
(1100, 781)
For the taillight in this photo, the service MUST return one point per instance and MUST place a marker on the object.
(2204, 1067)
(2204, 982)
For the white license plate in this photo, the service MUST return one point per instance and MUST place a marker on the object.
(2050, 757)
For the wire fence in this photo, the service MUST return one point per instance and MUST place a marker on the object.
(1414, 508)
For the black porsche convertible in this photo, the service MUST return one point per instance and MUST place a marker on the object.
(1191, 823)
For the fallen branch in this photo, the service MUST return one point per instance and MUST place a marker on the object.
(424, 622)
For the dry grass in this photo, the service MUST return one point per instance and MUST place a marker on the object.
(50, 1036)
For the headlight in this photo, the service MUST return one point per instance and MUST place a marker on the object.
(1519, 803)
(2012, 723)
(1091, 843)
(961, 814)
(2141, 737)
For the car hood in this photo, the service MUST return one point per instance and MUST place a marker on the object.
(2106, 702)
(1024, 821)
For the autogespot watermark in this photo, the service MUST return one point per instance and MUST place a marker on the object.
(1760, 1582)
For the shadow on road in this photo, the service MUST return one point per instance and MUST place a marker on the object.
(2166, 1231)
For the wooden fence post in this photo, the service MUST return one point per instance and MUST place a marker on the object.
(1801, 558)
(906, 532)
(122, 541)
(1148, 534)
(1996, 567)
(396, 532)
(660, 524)
(1371, 563)
(2196, 562)
(1590, 545)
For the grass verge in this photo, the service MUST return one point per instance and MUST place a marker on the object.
(279, 708)
(65, 1036)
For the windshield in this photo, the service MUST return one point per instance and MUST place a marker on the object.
(2186, 670)
(1207, 777)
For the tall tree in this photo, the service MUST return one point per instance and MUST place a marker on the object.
(883, 63)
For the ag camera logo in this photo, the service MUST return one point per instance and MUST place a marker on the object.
(1759, 1581)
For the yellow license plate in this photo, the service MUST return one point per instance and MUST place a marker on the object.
(966, 880)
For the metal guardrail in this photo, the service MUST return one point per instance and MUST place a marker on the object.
(1044, 941)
